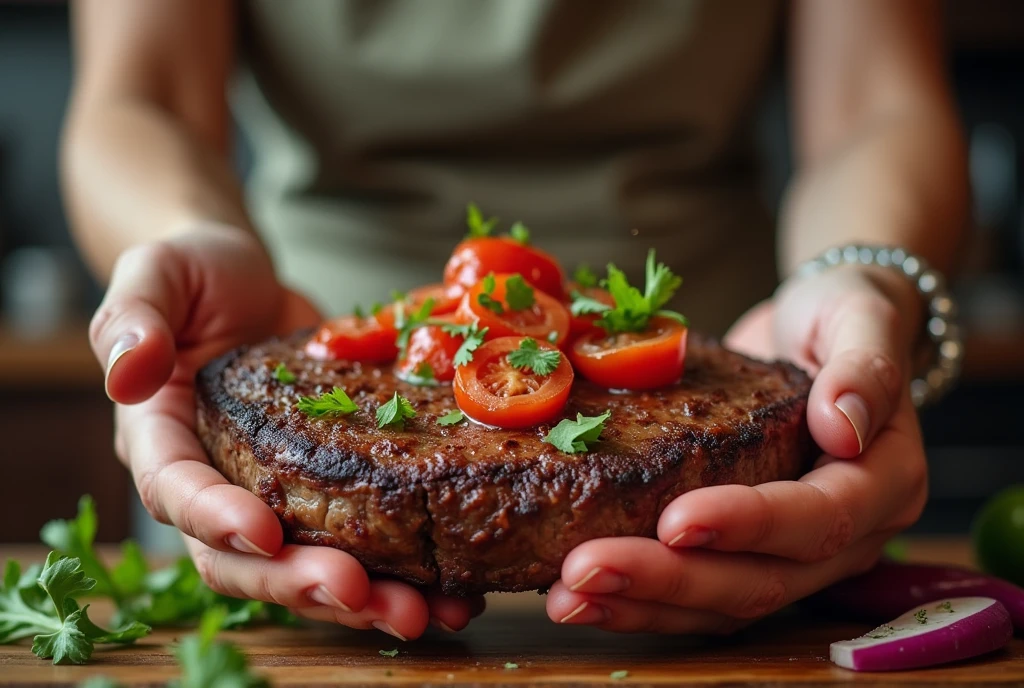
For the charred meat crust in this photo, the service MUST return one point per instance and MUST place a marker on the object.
(475, 510)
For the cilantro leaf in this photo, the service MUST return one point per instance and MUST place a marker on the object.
(584, 277)
(357, 311)
(395, 412)
(74, 538)
(389, 653)
(376, 308)
(572, 436)
(333, 403)
(399, 296)
(633, 310)
(618, 675)
(66, 645)
(518, 294)
(283, 375)
(661, 283)
(584, 305)
(520, 234)
(511, 666)
(63, 578)
(529, 356)
(206, 663)
(451, 418)
(408, 324)
(422, 375)
(478, 226)
(485, 299)
(473, 336)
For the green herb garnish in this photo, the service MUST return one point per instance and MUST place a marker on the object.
(883, 631)
(473, 337)
(511, 666)
(406, 323)
(376, 308)
(572, 436)
(357, 311)
(529, 356)
(922, 616)
(520, 234)
(618, 675)
(946, 606)
(518, 294)
(485, 299)
(395, 412)
(389, 653)
(632, 311)
(283, 375)
(333, 403)
(584, 277)
(399, 296)
(451, 418)
(206, 663)
(478, 226)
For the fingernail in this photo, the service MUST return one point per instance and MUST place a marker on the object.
(587, 613)
(437, 623)
(856, 411)
(122, 346)
(385, 627)
(694, 536)
(601, 580)
(322, 595)
(245, 545)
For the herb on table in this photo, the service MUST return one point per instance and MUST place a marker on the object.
(100, 682)
(520, 234)
(511, 666)
(333, 403)
(632, 311)
(529, 356)
(478, 226)
(922, 616)
(518, 294)
(389, 653)
(485, 299)
(42, 603)
(395, 412)
(451, 418)
(207, 663)
(572, 436)
(406, 323)
(473, 336)
(584, 277)
(618, 675)
(283, 375)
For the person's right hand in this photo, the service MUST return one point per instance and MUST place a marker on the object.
(171, 307)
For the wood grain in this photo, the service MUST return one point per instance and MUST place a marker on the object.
(787, 648)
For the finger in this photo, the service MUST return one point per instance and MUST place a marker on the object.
(298, 576)
(178, 486)
(744, 586)
(808, 520)
(451, 614)
(751, 335)
(132, 332)
(862, 374)
(624, 615)
(393, 608)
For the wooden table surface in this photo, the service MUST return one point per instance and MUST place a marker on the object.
(785, 649)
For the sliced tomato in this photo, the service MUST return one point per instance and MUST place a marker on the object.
(582, 324)
(632, 360)
(473, 259)
(545, 316)
(369, 339)
(432, 346)
(491, 391)
(446, 298)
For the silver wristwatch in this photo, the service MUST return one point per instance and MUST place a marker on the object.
(941, 325)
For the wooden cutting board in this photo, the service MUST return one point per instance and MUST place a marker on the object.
(787, 648)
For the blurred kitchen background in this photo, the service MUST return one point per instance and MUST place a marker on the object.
(55, 421)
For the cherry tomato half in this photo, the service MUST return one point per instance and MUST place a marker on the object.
(632, 360)
(545, 316)
(582, 324)
(369, 339)
(491, 391)
(446, 298)
(430, 345)
(473, 259)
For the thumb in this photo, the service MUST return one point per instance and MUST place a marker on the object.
(862, 374)
(132, 333)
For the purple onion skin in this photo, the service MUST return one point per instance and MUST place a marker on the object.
(984, 632)
(890, 589)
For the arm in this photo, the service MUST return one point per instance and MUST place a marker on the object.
(145, 152)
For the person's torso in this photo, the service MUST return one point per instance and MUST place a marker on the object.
(606, 126)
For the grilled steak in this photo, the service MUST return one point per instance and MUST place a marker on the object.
(474, 509)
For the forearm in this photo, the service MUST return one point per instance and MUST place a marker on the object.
(133, 173)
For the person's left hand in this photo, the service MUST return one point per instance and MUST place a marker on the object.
(730, 554)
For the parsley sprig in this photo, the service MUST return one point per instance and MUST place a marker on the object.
(519, 295)
(451, 418)
(633, 310)
(529, 356)
(395, 412)
(572, 436)
(283, 375)
(333, 403)
(584, 277)
(477, 224)
(486, 299)
(206, 662)
(473, 336)
(407, 322)
(520, 234)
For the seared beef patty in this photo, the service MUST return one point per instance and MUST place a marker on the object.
(474, 509)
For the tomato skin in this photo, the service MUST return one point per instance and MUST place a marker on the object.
(645, 360)
(446, 297)
(429, 344)
(584, 324)
(473, 259)
(351, 338)
(546, 316)
(542, 398)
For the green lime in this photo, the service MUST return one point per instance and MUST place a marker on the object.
(999, 535)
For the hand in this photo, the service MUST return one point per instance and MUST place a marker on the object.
(171, 307)
(727, 555)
